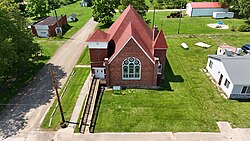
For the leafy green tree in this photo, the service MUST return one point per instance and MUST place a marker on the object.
(104, 10)
(38, 8)
(244, 8)
(16, 44)
(139, 5)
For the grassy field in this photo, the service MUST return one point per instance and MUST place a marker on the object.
(189, 101)
(69, 99)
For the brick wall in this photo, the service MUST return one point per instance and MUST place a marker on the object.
(148, 69)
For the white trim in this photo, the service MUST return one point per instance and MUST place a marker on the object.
(99, 68)
(125, 45)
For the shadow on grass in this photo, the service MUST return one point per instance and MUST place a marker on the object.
(37, 91)
(97, 108)
(169, 77)
(66, 28)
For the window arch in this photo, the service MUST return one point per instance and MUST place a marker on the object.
(131, 68)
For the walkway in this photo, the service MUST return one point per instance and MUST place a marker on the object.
(28, 108)
(226, 134)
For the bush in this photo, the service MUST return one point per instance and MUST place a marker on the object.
(233, 28)
(244, 28)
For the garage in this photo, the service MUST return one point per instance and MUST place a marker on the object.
(206, 9)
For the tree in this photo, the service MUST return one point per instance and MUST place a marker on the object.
(38, 8)
(139, 5)
(16, 44)
(104, 10)
(244, 8)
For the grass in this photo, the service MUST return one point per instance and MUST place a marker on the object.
(49, 47)
(69, 99)
(189, 101)
(85, 58)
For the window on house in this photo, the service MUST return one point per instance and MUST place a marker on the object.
(244, 89)
(131, 69)
(159, 69)
(210, 64)
(227, 83)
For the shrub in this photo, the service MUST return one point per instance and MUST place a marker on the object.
(233, 28)
(244, 28)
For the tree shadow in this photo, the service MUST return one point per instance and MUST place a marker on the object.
(169, 77)
(38, 92)
(96, 111)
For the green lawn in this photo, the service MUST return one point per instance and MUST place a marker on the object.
(189, 101)
(85, 58)
(69, 99)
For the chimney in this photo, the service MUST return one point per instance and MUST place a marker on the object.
(155, 32)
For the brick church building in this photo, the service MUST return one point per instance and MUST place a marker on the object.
(129, 53)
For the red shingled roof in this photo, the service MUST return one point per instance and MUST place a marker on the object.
(205, 5)
(131, 31)
(98, 36)
(130, 24)
(160, 41)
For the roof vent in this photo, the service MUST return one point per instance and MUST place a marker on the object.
(228, 52)
(238, 51)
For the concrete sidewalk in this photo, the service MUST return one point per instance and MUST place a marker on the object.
(226, 134)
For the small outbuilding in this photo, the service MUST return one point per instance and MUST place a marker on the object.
(195, 9)
(48, 27)
(72, 18)
(231, 73)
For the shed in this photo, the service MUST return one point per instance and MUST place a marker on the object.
(48, 27)
(230, 72)
(72, 18)
(195, 9)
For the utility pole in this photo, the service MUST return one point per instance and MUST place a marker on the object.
(153, 18)
(180, 18)
(58, 97)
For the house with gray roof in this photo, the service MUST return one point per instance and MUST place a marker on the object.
(231, 72)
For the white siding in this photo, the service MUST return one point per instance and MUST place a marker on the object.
(42, 30)
(207, 12)
(216, 71)
(98, 45)
(222, 15)
(188, 9)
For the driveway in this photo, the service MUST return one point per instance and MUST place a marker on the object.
(26, 111)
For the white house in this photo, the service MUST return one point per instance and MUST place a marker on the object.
(231, 73)
(194, 9)
(72, 18)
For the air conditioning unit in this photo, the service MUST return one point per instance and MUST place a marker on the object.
(228, 52)
(238, 51)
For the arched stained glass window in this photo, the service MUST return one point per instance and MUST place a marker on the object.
(131, 69)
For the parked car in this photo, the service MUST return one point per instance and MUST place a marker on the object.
(246, 48)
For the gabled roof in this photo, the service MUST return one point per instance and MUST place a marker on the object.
(48, 21)
(131, 33)
(160, 41)
(130, 15)
(205, 5)
(237, 67)
(98, 36)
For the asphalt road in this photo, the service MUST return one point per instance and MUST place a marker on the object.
(26, 111)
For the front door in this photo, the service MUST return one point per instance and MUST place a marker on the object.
(99, 73)
(221, 76)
